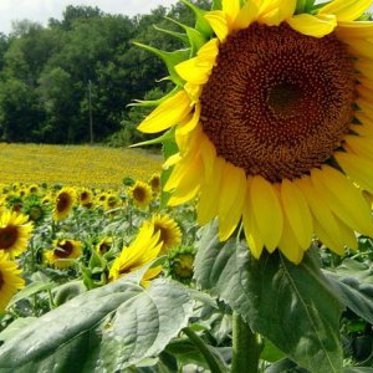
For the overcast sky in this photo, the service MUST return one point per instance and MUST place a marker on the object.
(41, 10)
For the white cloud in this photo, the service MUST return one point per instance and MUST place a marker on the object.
(41, 10)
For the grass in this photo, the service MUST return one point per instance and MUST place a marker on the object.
(91, 166)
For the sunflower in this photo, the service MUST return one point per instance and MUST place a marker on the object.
(141, 194)
(86, 198)
(15, 232)
(64, 253)
(10, 280)
(112, 201)
(274, 123)
(104, 245)
(143, 250)
(155, 183)
(180, 264)
(169, 231)
(64, 202)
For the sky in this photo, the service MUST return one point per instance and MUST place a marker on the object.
(41, 10)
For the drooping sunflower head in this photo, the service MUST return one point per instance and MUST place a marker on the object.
(155, 183)
(15, 233)
(64, 253)
(141, 194)
(169, 231)
(274, 123)
(10, 280)
(64, 202)
(142, 251)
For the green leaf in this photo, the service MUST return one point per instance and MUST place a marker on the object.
(355, 295)
(73, 338)
(171, 59)
(32, 289)
(358, 370)
(293, 306)
(15, 327)
(201, 24)
(143, 326)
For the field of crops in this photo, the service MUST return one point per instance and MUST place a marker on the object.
(94, 166)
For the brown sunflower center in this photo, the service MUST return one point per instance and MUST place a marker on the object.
(278, 103)
(64, 250)
(139, 194)
(164, 235)
(8, 237)
(63, 202)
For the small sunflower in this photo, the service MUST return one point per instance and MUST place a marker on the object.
(143, 250)
(181, 264)
(86, 198)
(155, 183)
(15, 232)
(104, 245)
(169, 231)
(64, 253)
(141, 194)
(112, 201)
(64, 202)
(10, 280)
(274, 123)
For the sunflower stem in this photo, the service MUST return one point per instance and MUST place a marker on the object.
(246, 347)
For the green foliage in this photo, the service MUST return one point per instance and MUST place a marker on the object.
(45, 74)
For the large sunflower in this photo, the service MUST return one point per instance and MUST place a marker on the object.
(143, 250)
(15, 232)
(64, 202)
(274, 123)
(10, 280)
(64, 253)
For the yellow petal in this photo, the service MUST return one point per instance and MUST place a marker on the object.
(231, 201)
(297, 212)
(207, 207)
(231, 8)
(365, 92)
(246, 16)
(365, 67)
(357, 168)
(346, 10)
(267, 211)
(191, 124)
(344, 199)
(360, 47)
(365, 106)
(360, 146)
(330, 241)
(323, 216)
(355, 29)
(316, 26)
(289, 245)
(366, 126)
(253, 237)
(208, 154)
(219, 23)
(347, 235)
(167, 114)
(280, 13)
(171, 161)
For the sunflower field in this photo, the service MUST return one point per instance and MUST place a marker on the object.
(250, 251)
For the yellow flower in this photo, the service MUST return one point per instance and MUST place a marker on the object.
(112, 201)
(86, 197)
(64, 253)
(104, 245)
(10, 280)
(155, 183)
(169, 232)
(274, 125)
(141, 194)
(15, 233)
(64, 202)
(143, 250)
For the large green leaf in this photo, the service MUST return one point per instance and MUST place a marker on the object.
(293, 306)
(356, 295)
(73, 337)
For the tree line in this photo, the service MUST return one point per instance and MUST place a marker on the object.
(53, 78)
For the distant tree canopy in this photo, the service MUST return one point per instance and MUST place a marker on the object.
(46, 72)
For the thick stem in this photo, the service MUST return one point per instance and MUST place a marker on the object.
(213, 361)
(246, 347)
